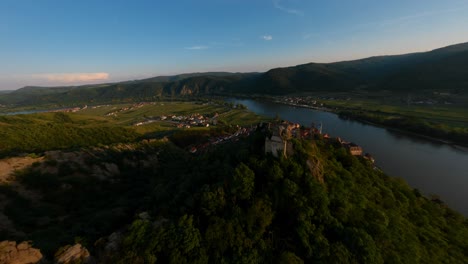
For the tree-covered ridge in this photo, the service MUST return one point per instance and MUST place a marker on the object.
(48, 131)
(442, 69)
(231, 203)
(156, 88)
(245, 207)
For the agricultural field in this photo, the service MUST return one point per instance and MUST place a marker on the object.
(107, 124)
(450, 115)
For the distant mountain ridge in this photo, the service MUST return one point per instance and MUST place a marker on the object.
(444, 69)
(145, 89)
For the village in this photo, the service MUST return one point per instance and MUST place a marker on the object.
(300, 101)
(128, 108)
(308, 101)
(183, 121)
(276, 144)
(241, 132)
(279, 144)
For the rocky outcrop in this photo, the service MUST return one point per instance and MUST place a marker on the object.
(73, 254)
(22, 253)
(316, 168)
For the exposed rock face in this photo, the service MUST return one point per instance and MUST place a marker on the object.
(23, 253)
(186, 90)
(316, 168)
(73, 254)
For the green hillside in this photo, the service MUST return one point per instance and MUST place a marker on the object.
(95, 126)
(148, 89)
(230, 204)
(308, 77)
(442, 69)
(447, 73)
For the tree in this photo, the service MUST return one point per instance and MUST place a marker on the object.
(243, 182)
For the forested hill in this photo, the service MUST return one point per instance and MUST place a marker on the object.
(320, 205)
(444, 69)
(230, 204)
(147, 89)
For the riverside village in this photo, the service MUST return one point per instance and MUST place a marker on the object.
(278, 142)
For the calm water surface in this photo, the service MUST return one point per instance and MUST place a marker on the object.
(432, 167)
(27, 112)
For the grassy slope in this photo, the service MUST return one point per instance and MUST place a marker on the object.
(90, 127)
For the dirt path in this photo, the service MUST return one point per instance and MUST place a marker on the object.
(9, 165)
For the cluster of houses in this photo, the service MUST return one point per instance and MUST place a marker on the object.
(241, 131)
(278, 143)
(70, 110)
(308, 101)
(99, 106)
(300, 101)
(427, 102)
(184, 121)
(128, 108)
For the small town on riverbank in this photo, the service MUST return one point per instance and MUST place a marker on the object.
(279, 134)
(278, 143)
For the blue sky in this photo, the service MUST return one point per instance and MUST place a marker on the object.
(69, 42)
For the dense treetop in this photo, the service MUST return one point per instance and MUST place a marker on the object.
(319, 205)
(233, 204)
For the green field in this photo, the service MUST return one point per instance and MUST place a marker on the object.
(94, 126)
(227, 114)
(456, 116)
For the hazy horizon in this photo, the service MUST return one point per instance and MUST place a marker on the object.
(63, 43)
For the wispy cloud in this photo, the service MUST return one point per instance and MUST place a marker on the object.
(277, 5)
(267, 37)
(213, 45)
(72, 77)
(233, 42)
(197, 48)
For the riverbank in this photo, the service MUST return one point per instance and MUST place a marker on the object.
(455, 145)
(305, 106)
(410, 126)
(344, 112)
(430, 166)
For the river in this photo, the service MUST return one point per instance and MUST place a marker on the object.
(431, 167)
